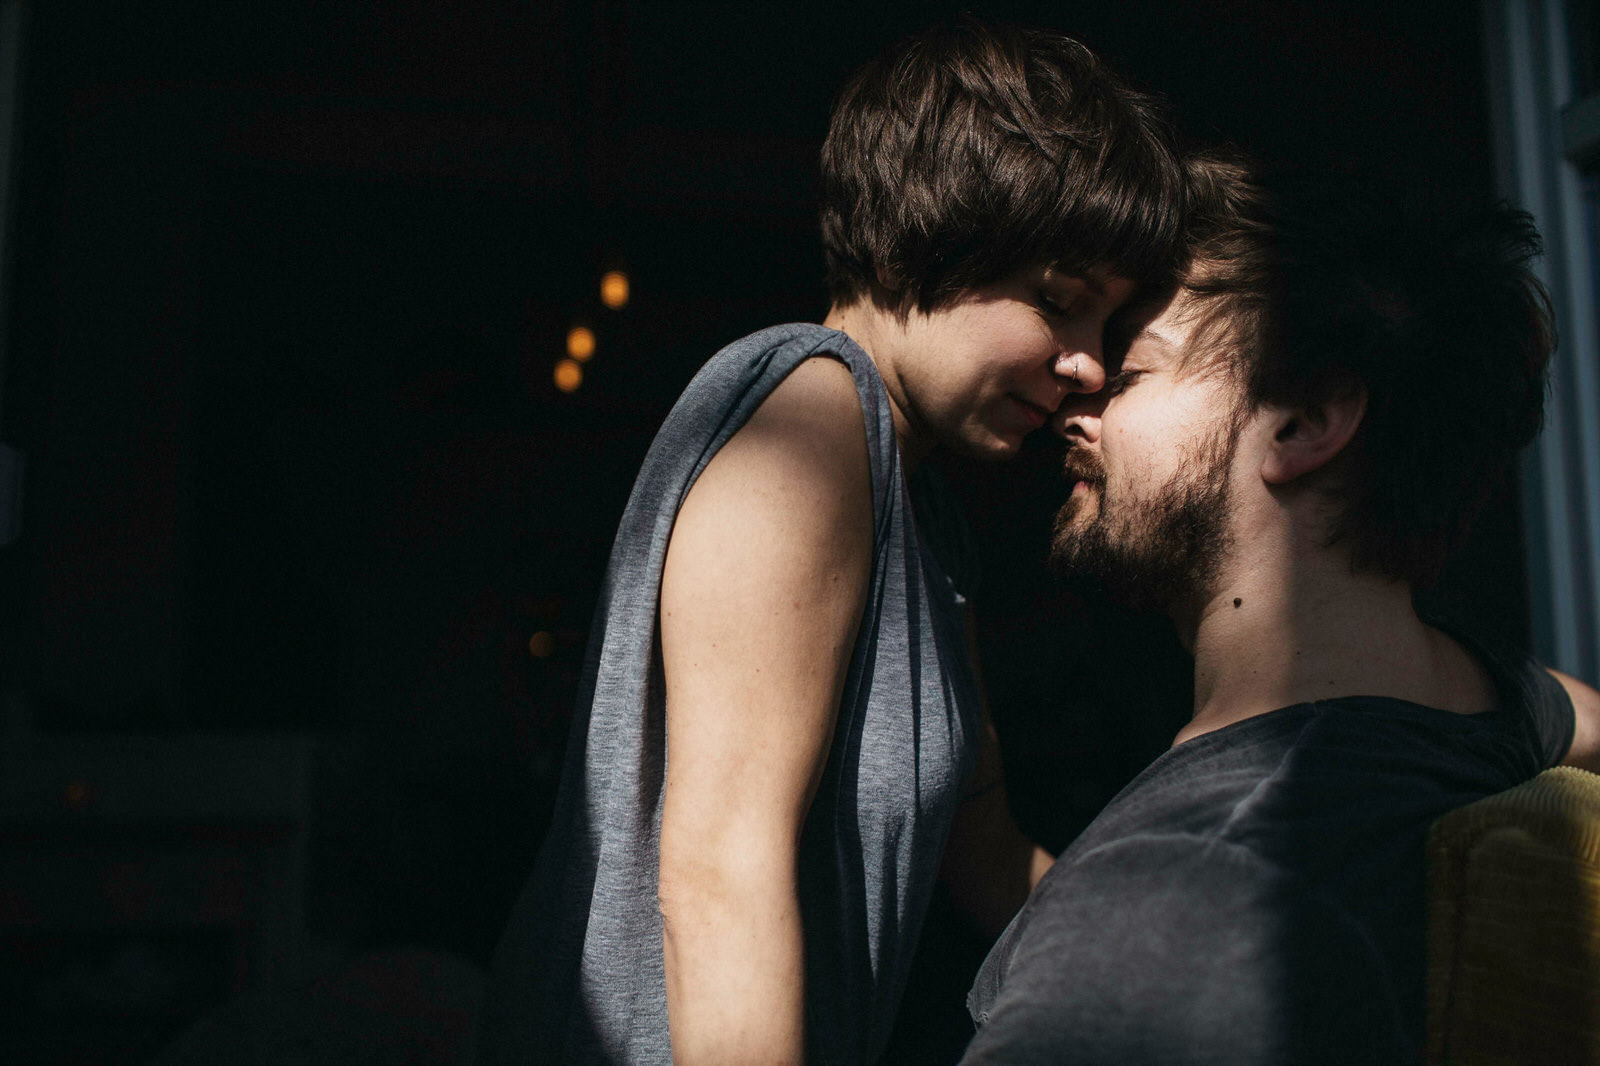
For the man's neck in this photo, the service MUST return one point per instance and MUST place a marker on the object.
(1272, 635)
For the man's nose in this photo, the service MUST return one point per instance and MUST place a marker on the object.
(1078, 417)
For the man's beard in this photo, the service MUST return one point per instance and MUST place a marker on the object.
(1160, 551)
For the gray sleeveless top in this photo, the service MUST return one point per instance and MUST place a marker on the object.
(578, 976)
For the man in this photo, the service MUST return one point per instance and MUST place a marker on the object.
(1286, 447)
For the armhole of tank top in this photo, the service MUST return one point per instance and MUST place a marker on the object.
(882, 465)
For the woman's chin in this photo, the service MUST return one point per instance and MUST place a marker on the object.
(994, 446)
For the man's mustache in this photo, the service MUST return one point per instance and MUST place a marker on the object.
(1081, 464)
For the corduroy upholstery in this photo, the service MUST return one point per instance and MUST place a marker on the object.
(1514, 926)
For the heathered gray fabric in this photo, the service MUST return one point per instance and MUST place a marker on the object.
(578, 976)
(1258, 895)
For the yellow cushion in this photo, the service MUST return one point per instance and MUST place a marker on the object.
(1514, 926)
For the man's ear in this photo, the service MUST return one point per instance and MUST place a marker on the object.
(1306, 439)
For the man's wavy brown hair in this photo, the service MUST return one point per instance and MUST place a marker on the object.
(1424, 301)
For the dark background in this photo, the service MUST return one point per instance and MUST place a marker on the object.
(288, 285)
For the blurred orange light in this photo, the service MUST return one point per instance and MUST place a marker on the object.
(614, 289)
(580, 343)
(78, 795)
(569, 375)
(541, 645)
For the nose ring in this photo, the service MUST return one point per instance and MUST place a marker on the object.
(1071, 370)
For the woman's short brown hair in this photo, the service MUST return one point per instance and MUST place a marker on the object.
(969, 151)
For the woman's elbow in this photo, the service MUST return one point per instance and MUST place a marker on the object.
(700, 884)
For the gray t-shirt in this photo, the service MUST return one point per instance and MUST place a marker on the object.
(578, 976)
(1258, 895)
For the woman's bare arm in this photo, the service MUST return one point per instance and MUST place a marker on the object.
(761, 599)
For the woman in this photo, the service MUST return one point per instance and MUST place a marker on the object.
(780, 715)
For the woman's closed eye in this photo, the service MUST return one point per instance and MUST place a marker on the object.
(1053, 307)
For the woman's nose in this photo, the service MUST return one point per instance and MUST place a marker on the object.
(1083, 368)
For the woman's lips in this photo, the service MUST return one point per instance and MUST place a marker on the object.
(1035, 415)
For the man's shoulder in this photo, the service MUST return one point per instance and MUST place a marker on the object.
(1172, 948)
(1153, 868)
(1281, 858)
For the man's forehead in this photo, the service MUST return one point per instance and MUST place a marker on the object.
(1147, 322)
(1161, 337)
(1174, 326)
